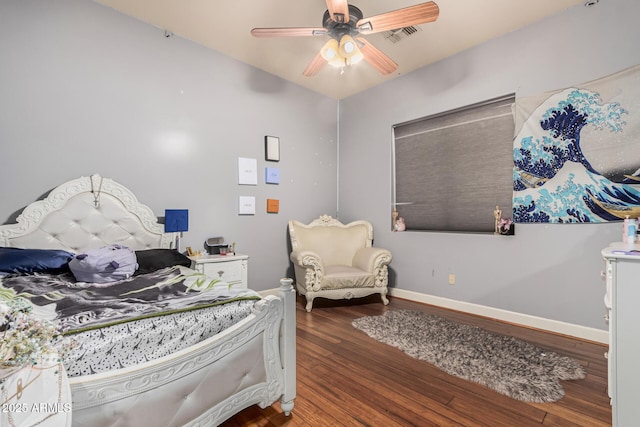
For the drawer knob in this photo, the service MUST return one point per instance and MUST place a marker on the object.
(220, 273)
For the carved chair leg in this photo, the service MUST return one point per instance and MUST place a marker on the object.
(385, 300)
(309, 303)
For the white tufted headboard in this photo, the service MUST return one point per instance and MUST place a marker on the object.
(86, 213)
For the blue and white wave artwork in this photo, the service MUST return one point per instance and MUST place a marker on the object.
(553, 181)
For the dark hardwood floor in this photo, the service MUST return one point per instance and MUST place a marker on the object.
(345, 378)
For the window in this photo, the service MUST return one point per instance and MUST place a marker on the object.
(453, 168)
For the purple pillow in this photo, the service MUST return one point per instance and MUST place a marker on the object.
(105, 264)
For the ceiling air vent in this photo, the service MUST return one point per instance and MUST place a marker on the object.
(395, 36)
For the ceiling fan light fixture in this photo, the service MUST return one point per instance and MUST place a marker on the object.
(349, 50)
(338, 62)
(347, 46)
(330, 50)
(356, 57)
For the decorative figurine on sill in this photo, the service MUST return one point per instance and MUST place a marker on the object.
(394, 220)
(400, 225)
(497, 214)
(505, 226)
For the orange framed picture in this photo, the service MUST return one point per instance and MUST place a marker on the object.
(273, 205)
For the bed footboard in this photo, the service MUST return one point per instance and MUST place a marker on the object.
(253, 362)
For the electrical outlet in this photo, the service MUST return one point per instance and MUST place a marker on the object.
(452, 279)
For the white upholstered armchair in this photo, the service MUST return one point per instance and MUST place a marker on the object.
(337, 261)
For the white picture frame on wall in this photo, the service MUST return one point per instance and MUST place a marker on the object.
(246, 205)
(247, 171)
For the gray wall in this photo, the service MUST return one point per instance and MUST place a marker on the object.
(550, 271)
(84, 89)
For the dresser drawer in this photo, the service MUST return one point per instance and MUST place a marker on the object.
(609, 285)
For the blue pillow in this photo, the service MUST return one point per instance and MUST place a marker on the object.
(17, 260)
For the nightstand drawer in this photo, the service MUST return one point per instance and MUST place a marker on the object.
(227, 271)
(228, 268)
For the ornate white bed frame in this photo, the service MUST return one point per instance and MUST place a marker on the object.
(253, 362)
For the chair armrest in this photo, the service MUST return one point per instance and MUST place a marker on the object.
(307, 259)
(375, 261)
(310, 263)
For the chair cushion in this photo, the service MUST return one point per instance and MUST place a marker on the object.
(334, 245)
(344, 276)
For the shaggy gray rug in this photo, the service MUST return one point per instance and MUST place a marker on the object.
(505, 364)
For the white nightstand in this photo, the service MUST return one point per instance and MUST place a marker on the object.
(229, 268)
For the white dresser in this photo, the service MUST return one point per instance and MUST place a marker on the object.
(622, 300)
(229, 268)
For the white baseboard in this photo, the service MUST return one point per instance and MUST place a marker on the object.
(582, 332)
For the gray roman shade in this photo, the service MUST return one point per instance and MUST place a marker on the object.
(452, 169)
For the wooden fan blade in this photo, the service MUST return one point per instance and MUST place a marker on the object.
(413, 15)
(376, 58)
(314, 66)
(338, 10)
(288, 32)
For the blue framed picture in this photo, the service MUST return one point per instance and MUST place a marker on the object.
(272, 175)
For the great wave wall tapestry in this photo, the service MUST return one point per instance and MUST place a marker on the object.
(577, 152)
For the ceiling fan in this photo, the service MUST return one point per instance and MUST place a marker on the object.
(343, 23)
